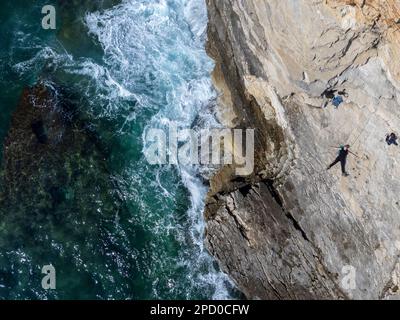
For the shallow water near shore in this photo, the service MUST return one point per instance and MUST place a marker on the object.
(128, 66)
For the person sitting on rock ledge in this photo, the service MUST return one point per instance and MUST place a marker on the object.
(391, 139)
(336, 99)
(342, 158)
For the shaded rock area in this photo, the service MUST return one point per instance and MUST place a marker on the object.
(290, 230)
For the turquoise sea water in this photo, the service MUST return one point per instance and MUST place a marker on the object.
(131, 65)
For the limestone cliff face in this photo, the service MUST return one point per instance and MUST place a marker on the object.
(291, 229)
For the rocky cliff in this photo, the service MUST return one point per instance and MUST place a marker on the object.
(292, 230)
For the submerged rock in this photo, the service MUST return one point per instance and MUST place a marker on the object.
(292, 230)
(54, 176)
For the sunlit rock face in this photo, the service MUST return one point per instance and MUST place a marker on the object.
(294, 230)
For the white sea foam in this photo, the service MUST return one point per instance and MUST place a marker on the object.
(43, 56)
(160, 43)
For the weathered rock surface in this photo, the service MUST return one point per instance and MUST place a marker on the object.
(292, 228)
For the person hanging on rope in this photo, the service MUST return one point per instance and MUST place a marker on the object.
(342, 158)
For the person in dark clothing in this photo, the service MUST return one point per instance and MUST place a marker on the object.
(391, 139)
(329, 93)
(342, 158)
(336, 99)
